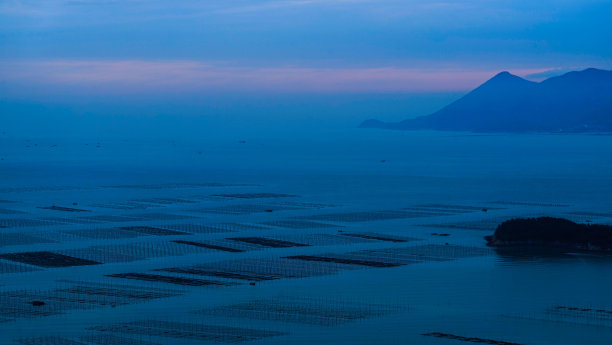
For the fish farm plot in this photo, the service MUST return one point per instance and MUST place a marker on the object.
(369, 216)
(161, 216)
(457, 208)
(302, 266)
(188, 331)
(535, 204)
(301, 310)
(132, 251)
(242, 244)
(164, 201)
(62, 220)
(8, 268)
(80, 296)
(393, 257)
(176, 185)
(170, 279)
(214, 228)
(47, 259)
(300, 204)
(582, 315)
(254, 195)
(468, 339)
(109, 339)
(23, 223)
(591, 214)
(16, 238)
(101, 234)
(62, 209)
(336, 239)
(209, 245)
(104, 339)
(299, 224)
(152, 231)
(268, 242)
(37, 189)
(126, 206)
(258, 269)
(489, 224)
(111, 219)
(378, 237)
(49, 341)
(9, 211)
(245, 209)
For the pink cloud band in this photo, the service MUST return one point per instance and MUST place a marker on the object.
(147, 76)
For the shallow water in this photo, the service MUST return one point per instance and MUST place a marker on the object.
(360, 205)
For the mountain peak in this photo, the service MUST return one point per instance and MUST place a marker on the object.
(506, 76)
(575, 101)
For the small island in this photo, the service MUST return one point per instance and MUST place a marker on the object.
(550, 232)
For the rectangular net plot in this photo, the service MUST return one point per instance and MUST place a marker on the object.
(83, 296)
(322, 239)
(62, 220)
(14, 239)
(584, 315)
(468, 339)
(591, 214)
(99, 234)
(211, 246)
(190, 331)
(30, 303)
(169, 279)
(299, 224)
(133, 251)
(378, 237)
(23, 223)
(161, 216)
(111, 219)
(519, 203)
(8, 211)
(392, 257)
(301, 204)
(345, 260)
(268, 242)
(165, 201)
(428, 252)
(109, 339)
(300, 310)
(178, 185)
(49, 341)
(153, 231)
(482, 225)
(62, 209)
(369, 216)
(47, 259)
(254, 195)
(455, 208)
(245, 209)
(259, 269)
(8, 268)
(213, 228)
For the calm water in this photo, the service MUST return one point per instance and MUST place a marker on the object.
(373, 197)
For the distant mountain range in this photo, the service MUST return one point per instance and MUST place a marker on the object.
(574, 102)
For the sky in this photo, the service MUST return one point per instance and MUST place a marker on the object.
(326, 46)
(188, 53)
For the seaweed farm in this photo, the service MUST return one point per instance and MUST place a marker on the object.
(216, 254)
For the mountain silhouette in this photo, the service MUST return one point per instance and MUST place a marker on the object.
(575, 101)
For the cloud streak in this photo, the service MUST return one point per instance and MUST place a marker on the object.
(190, 76)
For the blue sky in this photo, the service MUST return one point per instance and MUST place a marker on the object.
(110, 48)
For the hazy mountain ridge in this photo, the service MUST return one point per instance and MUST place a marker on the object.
(575, 101)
